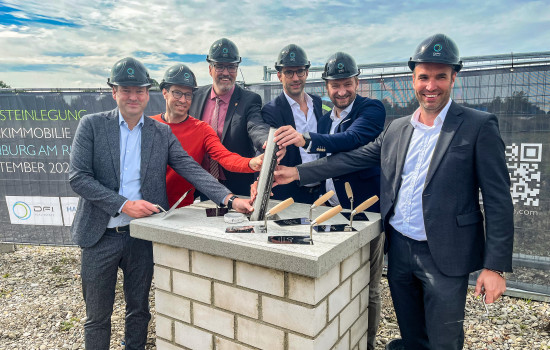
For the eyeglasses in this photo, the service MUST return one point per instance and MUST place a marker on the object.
(178, 94)
(232, 68)
(299, 72)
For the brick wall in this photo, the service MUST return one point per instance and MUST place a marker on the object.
(209, 302)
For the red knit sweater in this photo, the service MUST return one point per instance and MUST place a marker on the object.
(197, 139)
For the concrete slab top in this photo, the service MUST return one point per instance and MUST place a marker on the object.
(190, 228)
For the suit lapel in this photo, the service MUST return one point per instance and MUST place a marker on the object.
(200, 100)
(448, 131)
(112, 132)
(233, 103)
(285, 110)
(147, 135)
(402, 148)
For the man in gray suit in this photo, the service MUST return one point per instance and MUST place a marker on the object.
(118, 166)
(434, 164)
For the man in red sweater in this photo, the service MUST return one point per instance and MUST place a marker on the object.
(197, 137)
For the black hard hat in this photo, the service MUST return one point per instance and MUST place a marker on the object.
(179, 74)
(292, 56)
(438, 48)
(340, 66)
(129, 72)
(223, 50)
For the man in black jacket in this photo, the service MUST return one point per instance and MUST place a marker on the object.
(232, 111)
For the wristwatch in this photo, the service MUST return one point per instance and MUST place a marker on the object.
(307, 139)
(230, 202)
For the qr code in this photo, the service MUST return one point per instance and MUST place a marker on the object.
(523, 165)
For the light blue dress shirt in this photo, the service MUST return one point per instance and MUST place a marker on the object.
(130, 165)
(408, 215)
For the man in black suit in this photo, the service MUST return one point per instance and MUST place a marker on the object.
(293, 110)
(232, 111)
(434, 164)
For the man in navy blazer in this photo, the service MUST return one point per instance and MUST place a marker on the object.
(118, 167)
(354, 121)
(299, 110)
(434, 165)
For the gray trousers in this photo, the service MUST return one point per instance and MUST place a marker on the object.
(99, 269)
(375, 301)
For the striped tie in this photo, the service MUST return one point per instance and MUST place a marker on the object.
(214, 166)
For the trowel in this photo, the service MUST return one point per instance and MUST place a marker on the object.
(172, 210)
(306, 221)
(261, 228)
(348, 227)
(305, 239)
(349, 193)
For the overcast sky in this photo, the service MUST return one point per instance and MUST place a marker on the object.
(74, 43)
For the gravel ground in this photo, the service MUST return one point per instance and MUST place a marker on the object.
(41, 307)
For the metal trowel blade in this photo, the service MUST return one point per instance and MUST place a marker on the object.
(246, 229)
(289, 239)
(216, 212)
(334, 228)
(357, 217)
(293, 222)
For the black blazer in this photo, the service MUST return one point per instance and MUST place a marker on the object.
(244, 131)
(469, 156)
(362, 125)
(278, 113)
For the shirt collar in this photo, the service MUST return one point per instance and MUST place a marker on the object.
(292, 102)
(225, 97)
(343, 113)
(121, 120)
(437, 122)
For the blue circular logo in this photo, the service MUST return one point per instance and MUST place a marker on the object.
(438, 47)
(21, 210)
(130, 71)
(292, 55)
(225, 50)
(186, 75)
(340, 65)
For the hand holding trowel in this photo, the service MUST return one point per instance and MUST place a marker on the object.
(261, 228)
(305, 239)
(306, 221)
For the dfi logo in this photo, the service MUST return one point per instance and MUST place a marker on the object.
(42, 209)
(22, 210)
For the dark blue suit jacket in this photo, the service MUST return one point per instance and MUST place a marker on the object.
(278, 113)
(361, 126)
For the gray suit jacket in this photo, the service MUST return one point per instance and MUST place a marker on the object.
(469, 156)
(94, 171)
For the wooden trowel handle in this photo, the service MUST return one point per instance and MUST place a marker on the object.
(349, 192)
(327, 215)
(323, 199)
(366, 204)
(279, 207)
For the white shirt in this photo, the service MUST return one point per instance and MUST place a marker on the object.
(304, 124)
(334, 201)
(408, 216)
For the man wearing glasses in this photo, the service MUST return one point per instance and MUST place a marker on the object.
(118, 167)
(434, 165)
(234, 113)
(196, 136)
(298, 110)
